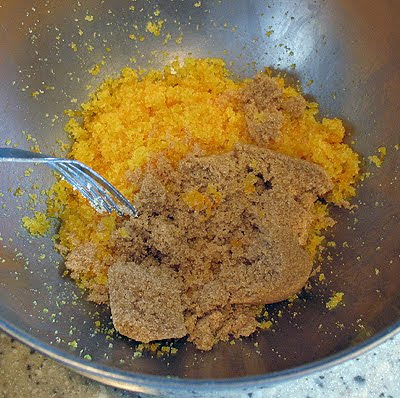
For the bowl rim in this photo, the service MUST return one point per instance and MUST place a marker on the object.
(134, 381)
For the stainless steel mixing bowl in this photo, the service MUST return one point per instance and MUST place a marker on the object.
(345, 53)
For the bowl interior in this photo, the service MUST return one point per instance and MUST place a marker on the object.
(345, 54)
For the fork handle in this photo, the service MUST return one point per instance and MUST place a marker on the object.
(20, 155)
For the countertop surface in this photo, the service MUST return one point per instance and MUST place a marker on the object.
(25, 373)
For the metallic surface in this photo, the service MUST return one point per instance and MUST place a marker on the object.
(102, 195)
(346, 55)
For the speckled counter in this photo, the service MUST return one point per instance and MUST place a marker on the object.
(24, 373)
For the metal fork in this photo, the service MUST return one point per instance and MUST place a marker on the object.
(103, 196)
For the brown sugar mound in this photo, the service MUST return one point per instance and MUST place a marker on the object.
(223, 234)
(263, 102)
(83, 261)
(145, 301)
